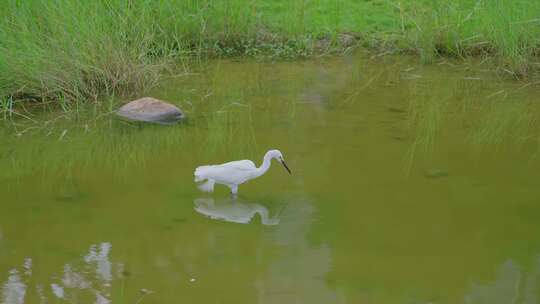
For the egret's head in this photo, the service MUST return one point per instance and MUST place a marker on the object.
(277, 155)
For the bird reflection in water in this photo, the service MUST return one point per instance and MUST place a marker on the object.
(234, 210)
(512, 285)
(90, 280)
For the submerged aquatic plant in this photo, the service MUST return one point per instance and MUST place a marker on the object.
(6, 107)
(504, 119)
(427, 114)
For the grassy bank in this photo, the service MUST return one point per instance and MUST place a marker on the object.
(74, 50)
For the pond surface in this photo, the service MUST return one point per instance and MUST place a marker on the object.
(411, 184)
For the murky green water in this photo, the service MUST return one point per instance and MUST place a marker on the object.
(411, 185)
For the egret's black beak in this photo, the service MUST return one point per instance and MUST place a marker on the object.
(285, 165)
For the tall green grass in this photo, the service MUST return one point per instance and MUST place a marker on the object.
(505, 30)
(83, 50)
(75, 49)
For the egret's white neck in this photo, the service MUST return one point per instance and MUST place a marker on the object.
(265, 164)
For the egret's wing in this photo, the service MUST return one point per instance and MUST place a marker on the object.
(238, 165)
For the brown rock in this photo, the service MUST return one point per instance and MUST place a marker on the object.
(151, 110)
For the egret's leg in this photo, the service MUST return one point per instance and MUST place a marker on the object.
(234, 189)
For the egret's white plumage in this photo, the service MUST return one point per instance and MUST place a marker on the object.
(235, 173)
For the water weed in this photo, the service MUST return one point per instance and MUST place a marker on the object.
(6, 107)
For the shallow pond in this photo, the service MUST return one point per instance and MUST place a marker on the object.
(411, 184)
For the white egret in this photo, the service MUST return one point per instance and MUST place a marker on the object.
(235, 173)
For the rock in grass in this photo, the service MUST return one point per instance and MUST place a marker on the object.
(149, 109)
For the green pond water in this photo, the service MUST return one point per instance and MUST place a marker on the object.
(411, 184)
